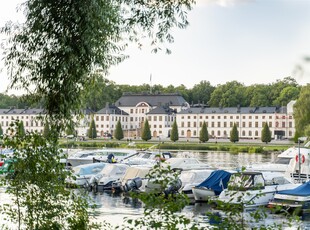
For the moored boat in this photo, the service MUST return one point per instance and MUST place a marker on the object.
(211, 186)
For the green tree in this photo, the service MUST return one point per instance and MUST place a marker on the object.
(288, 94)
(118, 133)
(174, 135)
(146, 133)
(204, 135)
(92, 132)
(46, 130)
(234, 134)
(302, 110)
(230, 94)
(70, 130)
(266, 134)
(21, 128)
(1, 131)
(201, 93)
(258, 95)
(56, 50)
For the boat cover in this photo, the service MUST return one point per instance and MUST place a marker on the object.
(302, 190)
(89, 168)
(217, 181)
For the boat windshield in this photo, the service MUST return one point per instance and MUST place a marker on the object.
(243, 182)
(283, 160)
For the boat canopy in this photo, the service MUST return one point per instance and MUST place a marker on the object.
(89, 168)
(302, 190)
(217, 181)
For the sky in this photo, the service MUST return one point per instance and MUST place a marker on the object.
(249, 41)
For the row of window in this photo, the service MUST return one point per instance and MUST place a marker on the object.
(231, 124)
(237, 117)
(225, 134)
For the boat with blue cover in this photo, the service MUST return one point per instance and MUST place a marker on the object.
(297, 199)
(212, 186)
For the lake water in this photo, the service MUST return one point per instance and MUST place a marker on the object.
(112, 208)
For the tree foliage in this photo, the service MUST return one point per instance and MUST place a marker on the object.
(302, 110)
(234, 134)
(118, 133)
(204, 135)
(230, 94)
(266, 134)
(92, 132)
(21, 128)
(174, 135)
(146, 133)
(46, 130)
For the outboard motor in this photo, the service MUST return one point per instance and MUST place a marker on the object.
(174, 187)
(133, 184)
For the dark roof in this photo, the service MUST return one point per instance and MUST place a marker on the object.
(112, 109)
(162, 110)
(153, 100)
(234, 110)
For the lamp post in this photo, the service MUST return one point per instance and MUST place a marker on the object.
(300, 139)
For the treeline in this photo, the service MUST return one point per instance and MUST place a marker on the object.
(230, 94)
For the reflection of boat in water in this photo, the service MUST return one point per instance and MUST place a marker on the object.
(252, 189)
(89, 156)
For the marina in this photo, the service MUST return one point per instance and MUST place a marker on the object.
(113, 207)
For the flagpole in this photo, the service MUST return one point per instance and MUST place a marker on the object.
(150, 83)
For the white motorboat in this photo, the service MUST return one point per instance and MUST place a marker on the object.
(186, 164)
(191, 178)
(109, 174)
(295, 200)
(299, 168)
(83, 173)
(212, 186)
(282, 161)
(253, 189)
(96, 155)
(146, 157)
(134, 179)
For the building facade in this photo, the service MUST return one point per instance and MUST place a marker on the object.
(161, 110)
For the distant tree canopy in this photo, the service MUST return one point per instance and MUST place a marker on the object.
(302, 110)
(230, 94)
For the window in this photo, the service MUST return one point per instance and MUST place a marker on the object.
(212, 124)
(256, 117)
(250, 133)
(250, 124)
(131, 111)
(160, 118)
(283, 124)
(195, 124)
(270, 124)
(256, 124)
(194, 117)
(256, 133)
(102, 118)
(188, 117)
(182, 124)
(188, 124)
(218, 124)
(206, 117)
(97, 118)
(243, 124)
(225, 124)
(290, 124)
